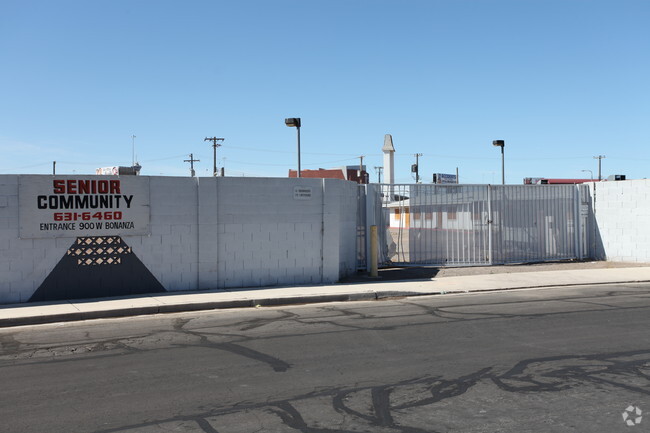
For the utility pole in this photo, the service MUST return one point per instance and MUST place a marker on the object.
(379, 170)
(599, 158)
(415, 168)
(53, 168)
(192, 161)
(214, 146)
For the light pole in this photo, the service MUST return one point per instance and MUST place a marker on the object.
(295, 121)
(502, 145)
(591, 173)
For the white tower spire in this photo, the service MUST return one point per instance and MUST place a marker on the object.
(389, 159)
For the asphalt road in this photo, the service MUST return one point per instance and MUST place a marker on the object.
(549, 360)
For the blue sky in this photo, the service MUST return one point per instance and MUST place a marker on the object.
(559, 81)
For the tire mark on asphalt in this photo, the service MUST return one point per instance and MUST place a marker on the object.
(275, 363)
(535, 375)
(292, 418)
(205, 425)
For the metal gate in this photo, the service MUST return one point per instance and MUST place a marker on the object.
(473, 225)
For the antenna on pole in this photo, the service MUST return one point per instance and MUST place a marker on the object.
(133, 150)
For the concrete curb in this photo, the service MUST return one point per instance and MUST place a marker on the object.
(161, 307)
(182, 307)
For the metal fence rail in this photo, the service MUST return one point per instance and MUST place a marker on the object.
(361, 227)
(533, 224)
(469, 225)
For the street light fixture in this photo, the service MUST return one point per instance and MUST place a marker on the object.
(295, 122)
(591, 173)
(502, 145)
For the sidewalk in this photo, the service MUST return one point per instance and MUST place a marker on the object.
(453, 280)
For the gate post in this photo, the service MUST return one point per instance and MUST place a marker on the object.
(374, 256)
(584, 199)
(577, 224)
(371, 203)
(489, 223)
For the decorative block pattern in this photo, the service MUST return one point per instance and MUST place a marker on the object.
(99, 250)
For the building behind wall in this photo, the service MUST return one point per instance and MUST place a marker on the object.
(350, 172)
(133, 170)
(556, 181)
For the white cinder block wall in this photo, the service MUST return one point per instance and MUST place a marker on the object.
(210, 233)
(348, 228)
(266, 236)
(622, 217)
(171, 252)
(24, 263)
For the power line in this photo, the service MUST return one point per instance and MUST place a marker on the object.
(330, 162)
(259, 163)
(28, 166)
(165, 158)
(312, 164)
(285, 151)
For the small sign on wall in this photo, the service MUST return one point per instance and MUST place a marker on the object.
(71, 206)
(302, 193)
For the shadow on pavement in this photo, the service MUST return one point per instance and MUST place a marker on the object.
(429, 272)
(395, 274)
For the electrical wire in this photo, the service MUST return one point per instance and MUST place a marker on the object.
(27, 166)
(258, 163)
(283, 151)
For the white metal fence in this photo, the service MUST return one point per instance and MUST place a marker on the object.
(465, 225)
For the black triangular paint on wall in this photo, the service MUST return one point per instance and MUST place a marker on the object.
(97, 267)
